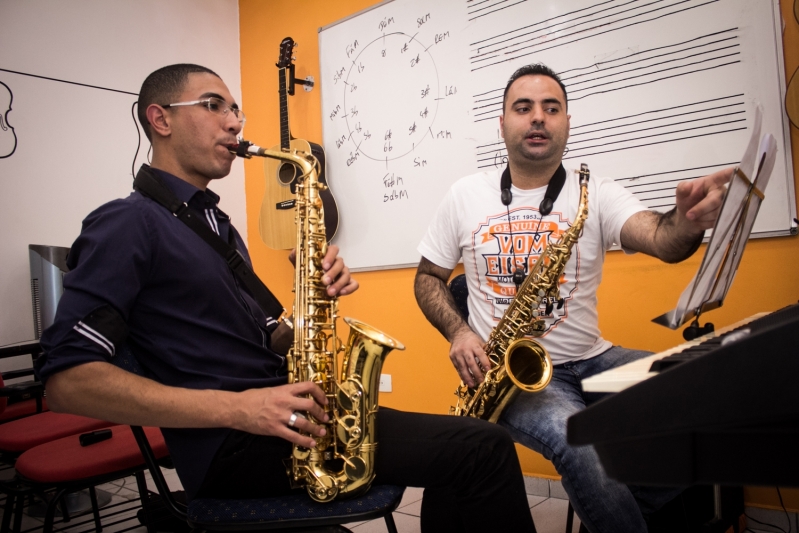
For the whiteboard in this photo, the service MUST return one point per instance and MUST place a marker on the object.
(659, 91)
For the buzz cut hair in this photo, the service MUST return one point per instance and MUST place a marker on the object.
(163, 87)
(536, 69)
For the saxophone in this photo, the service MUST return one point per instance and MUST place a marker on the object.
(342, 463)
(517, 363)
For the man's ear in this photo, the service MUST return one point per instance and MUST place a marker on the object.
(159, 120)
(568, 125)
(502, 125)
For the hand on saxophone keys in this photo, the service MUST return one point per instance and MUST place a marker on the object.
(337, 275)
(286, 411)
(468, 355)
(293, 418)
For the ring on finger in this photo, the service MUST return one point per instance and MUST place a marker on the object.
(293, 418)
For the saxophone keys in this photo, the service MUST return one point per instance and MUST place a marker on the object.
(354, 467)
(324, 490)
(537, 327)
(301, 453)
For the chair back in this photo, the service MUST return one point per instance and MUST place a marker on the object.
(174, 506)
(125, 360)
(460, 293)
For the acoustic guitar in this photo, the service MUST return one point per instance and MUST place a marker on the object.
(278, 229)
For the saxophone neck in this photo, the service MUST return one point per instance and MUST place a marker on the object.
(306, 162)
(585, 175)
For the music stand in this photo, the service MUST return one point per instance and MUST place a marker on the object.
(709, 287)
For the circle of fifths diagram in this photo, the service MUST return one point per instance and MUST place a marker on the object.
(391, 97)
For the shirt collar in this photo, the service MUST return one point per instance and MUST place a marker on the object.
(186, 192)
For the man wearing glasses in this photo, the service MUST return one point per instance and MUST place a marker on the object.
(214, 361)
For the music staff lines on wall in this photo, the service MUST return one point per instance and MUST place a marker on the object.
(657, 190)
(725, 106)
(653, 128)
(672, 108)
(553, 36)
(686, 121)
(541, 23)
(582, 153)
(606, 88)
(481, 12)
(646, 67)
(593, 67)
(608, 126)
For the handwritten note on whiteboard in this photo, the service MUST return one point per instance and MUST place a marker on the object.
(659, 91)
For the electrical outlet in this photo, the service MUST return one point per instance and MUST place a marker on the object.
(385, 382)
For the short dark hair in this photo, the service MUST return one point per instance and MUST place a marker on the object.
(536, 69)
(164, 86)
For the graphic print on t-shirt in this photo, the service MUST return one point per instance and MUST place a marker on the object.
(500, 246)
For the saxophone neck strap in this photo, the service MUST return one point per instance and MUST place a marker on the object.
(149, 185)
(554, 187)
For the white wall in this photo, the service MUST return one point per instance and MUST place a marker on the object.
(75, 144)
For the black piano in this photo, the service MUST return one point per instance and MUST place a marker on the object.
(725, 411)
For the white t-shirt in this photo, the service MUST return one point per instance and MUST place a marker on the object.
(471, 223)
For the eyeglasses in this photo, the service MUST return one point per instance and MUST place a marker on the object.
(214, 105)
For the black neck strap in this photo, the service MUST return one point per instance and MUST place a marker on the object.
(554, 187)
(148, 184)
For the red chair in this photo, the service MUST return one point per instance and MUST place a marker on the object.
(21, 409)
(65, 466)
(20, 399)
(20, 436)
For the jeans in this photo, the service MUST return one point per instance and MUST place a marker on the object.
(469, 468)
(538, 421)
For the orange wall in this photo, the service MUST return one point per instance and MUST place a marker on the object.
(635, 288)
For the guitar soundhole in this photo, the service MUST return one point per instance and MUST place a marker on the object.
(286, 173)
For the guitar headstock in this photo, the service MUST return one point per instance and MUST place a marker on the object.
(286, 49)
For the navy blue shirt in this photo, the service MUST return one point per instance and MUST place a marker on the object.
(191, 323)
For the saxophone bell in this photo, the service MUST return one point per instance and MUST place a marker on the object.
(528, 365)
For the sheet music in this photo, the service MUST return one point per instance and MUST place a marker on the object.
(767, 154)
(742, 201)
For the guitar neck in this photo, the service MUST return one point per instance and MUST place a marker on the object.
(285, 135)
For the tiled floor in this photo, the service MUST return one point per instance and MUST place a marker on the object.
(549, 513)
(767, 520)
(117, 517)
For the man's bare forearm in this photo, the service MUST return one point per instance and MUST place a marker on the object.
(663, 235)
(677, 242)
(436, 301)
(101, 390)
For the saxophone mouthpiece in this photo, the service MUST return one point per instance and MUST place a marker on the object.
(240, 149)
(585, 174)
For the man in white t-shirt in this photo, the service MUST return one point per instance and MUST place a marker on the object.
(497, 233)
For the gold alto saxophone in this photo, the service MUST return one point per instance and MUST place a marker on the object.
(517, 363)
(342, 463)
